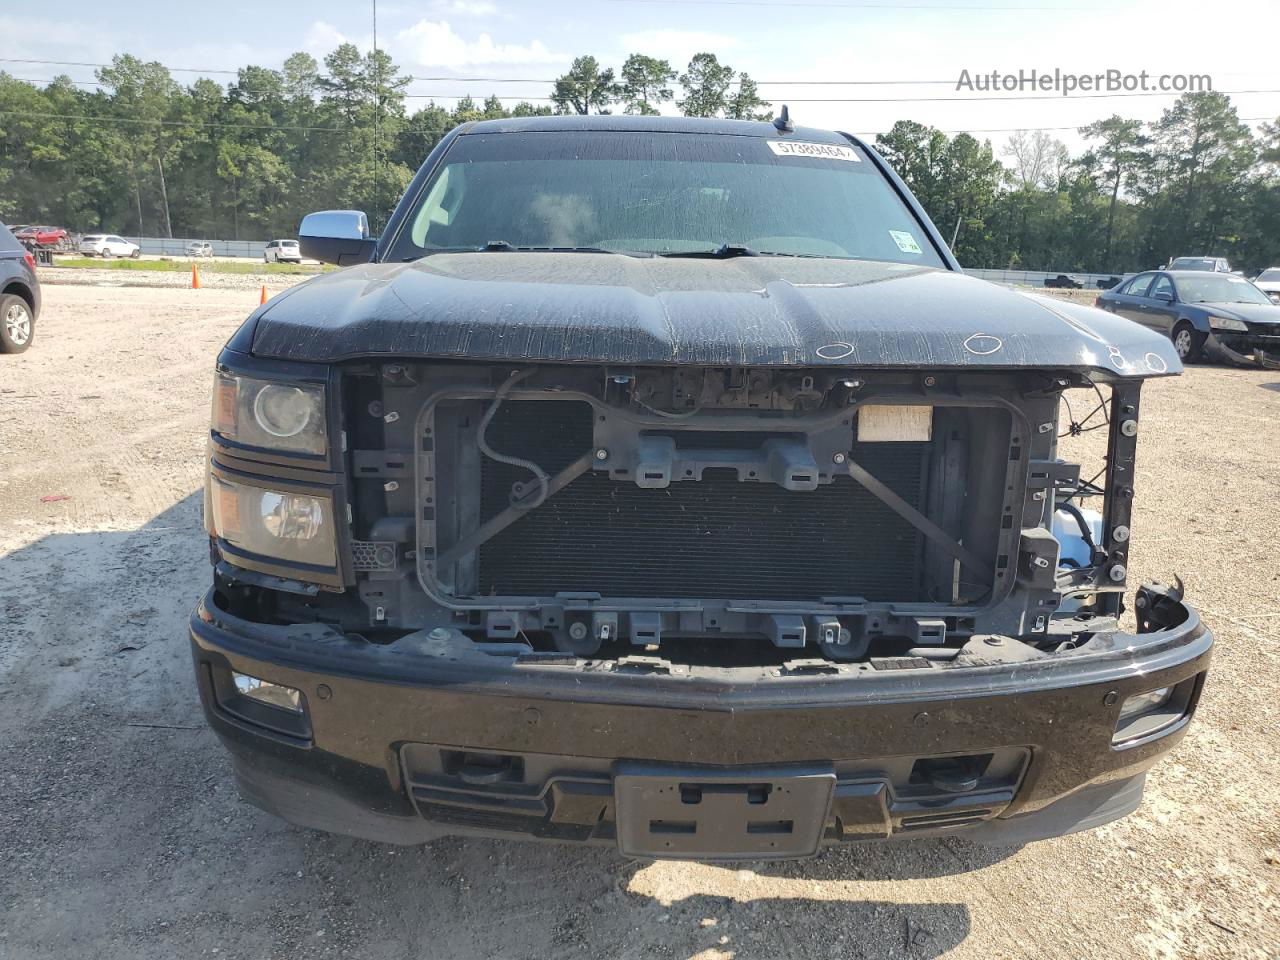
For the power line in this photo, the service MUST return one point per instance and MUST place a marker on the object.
(984, 99)
(475, 79)
(174, 123)
(83, 63)
(479, 79)
(1083, 96)
(443, 130)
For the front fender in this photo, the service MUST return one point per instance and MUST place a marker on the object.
(1199, 319)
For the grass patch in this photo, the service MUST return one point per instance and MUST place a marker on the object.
(184, 266)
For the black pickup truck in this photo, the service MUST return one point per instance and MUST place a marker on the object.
(664, 483)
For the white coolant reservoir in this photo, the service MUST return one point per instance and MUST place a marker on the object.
(1073, 549)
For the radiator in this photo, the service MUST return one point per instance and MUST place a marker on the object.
(717, 538)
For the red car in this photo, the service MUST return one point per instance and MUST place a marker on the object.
(43, 236)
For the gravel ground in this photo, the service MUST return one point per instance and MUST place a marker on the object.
(121, 835)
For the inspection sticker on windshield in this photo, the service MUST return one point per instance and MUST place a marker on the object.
(905, 241)
(829, 151)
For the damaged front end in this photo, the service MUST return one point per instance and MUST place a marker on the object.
(631, 604)
(728, 517)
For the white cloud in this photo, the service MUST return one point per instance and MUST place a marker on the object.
(436, 44)
(678, 46)
(466, 8)
(323, 37)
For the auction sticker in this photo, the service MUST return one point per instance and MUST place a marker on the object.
(798, 148)
(905, 241)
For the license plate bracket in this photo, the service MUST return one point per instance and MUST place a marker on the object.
(722, 813)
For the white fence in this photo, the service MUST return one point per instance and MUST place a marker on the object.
(177, 246)
(1036, 278)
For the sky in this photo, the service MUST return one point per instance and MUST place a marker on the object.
(795, 49)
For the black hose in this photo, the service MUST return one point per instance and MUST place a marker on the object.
(1083, 524)
(544, 481)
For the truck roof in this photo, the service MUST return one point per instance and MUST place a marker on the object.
(731, 128)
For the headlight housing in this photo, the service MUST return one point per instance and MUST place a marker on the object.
(275, 415)
(1228, 324)
(289, 525)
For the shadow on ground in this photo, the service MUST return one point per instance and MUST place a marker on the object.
(124, 836)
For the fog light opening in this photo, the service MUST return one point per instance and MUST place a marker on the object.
(272, 694)
(1141, 703)
(1152, 713)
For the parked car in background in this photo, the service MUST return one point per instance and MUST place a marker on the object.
(1268, 281)
(1108, 282)
(1212, 264)
(108, 245)
(19, 294)
(1219, 315)
(1064, 281)
(282, 251)
(200, 248)
(54, 237)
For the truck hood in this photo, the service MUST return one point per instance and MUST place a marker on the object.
(747, 311)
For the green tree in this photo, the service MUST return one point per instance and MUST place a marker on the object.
(1196, 175)
(1119, 156)
(746, 103)
(584, 88)
(645, 84)
(706, 86)
(364, 99)
(142, 95)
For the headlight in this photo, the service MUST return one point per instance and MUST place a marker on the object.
(290, 526)
(265, 413)
(1143, 702)
(1228, 323)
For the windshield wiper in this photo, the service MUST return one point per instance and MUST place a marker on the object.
(502, 246)
(723, 252)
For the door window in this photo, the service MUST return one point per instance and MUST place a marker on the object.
(1137, 287)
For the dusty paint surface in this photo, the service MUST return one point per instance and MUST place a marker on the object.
(766, 311)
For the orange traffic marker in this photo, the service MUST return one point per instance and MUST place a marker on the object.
(264, 294)
(195, 277)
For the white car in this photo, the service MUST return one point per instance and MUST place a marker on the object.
(199, 248)
(282, 251)
(1268, 281)
(108, 245)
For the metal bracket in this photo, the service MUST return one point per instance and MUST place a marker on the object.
(499, 522)
(919, 521)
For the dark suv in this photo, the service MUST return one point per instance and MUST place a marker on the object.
(664, 483)
(19, 294)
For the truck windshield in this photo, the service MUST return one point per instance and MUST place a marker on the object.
(661, 193)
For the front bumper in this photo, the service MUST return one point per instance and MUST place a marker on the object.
(409, 741)
(1246, 349)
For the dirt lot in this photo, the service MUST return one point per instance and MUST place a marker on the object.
(121, 835)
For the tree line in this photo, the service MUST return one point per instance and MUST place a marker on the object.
(140, 153)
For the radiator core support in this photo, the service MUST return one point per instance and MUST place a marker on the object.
(732, 522)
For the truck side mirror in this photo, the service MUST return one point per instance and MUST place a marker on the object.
(336, 236)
